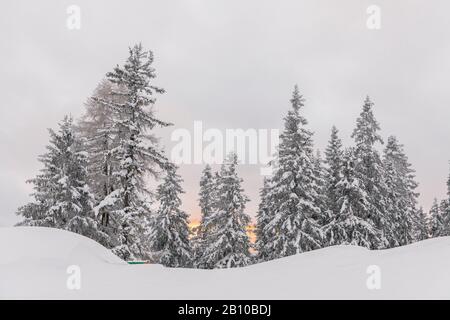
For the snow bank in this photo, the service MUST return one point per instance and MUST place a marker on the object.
(34, 262)
(30, 244)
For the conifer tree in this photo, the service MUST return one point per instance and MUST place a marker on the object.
(370, 169)
(439, 216)
(323, 215)
(437, 220)
(396, 227)
(263, 217)
(169, 234)
(448, 186)
(444, 213)
(293, 227)
(137, 153)
(100, 137)
(227, 242)
(207, 197)
(350, 225)
(62, 198)
(446, 210)
(422, 228)
(333, 161)
(401, 196)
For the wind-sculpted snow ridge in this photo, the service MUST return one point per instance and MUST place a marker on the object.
(37, 263)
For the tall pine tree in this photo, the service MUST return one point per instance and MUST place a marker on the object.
(440, 216)
(422, 229)
(323, 215)
(370, 169)
(263, 217)
(333, 162)
(437, 220)
(446, 210)
(137, 152)
(100, 136)
(207, 198)
(350, 224)
(227, 244)
(401, 207)
(448, 186)
(293, 227)
(169, 234)
(62, 198)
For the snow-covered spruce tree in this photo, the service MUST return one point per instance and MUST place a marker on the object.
(392, 208)
(100, 138)
(370, 169)
(206, 197)
(227, 244)
(350, 224)
(293, 227)
(333, 163)
(320, 189)
(206, 203)
(439, 216)
(447, 206)
(263, 217)
(137, 152)
(422, 229)
(445, 211)
(62, 198)
(169, 236)
(437, 220)
(448, 187)
(401, 196)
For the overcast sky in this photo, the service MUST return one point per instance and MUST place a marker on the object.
(230, 64)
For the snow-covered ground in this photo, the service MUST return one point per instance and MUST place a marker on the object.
(34, 262)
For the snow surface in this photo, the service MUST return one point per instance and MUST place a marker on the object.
(34, 261)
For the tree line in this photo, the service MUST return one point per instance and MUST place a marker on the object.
(98, 171)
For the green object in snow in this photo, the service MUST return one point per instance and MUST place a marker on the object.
(138, 262)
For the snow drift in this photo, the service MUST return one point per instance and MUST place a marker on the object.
(34, 262)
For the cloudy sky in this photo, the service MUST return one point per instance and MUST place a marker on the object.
(230, 64)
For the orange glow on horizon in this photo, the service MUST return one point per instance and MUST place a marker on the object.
(194, 223)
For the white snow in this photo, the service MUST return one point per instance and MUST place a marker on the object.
(34, 261)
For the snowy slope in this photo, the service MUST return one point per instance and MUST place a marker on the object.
(33, 264)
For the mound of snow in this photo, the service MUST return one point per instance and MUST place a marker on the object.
(34, 245)
(34, 262)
